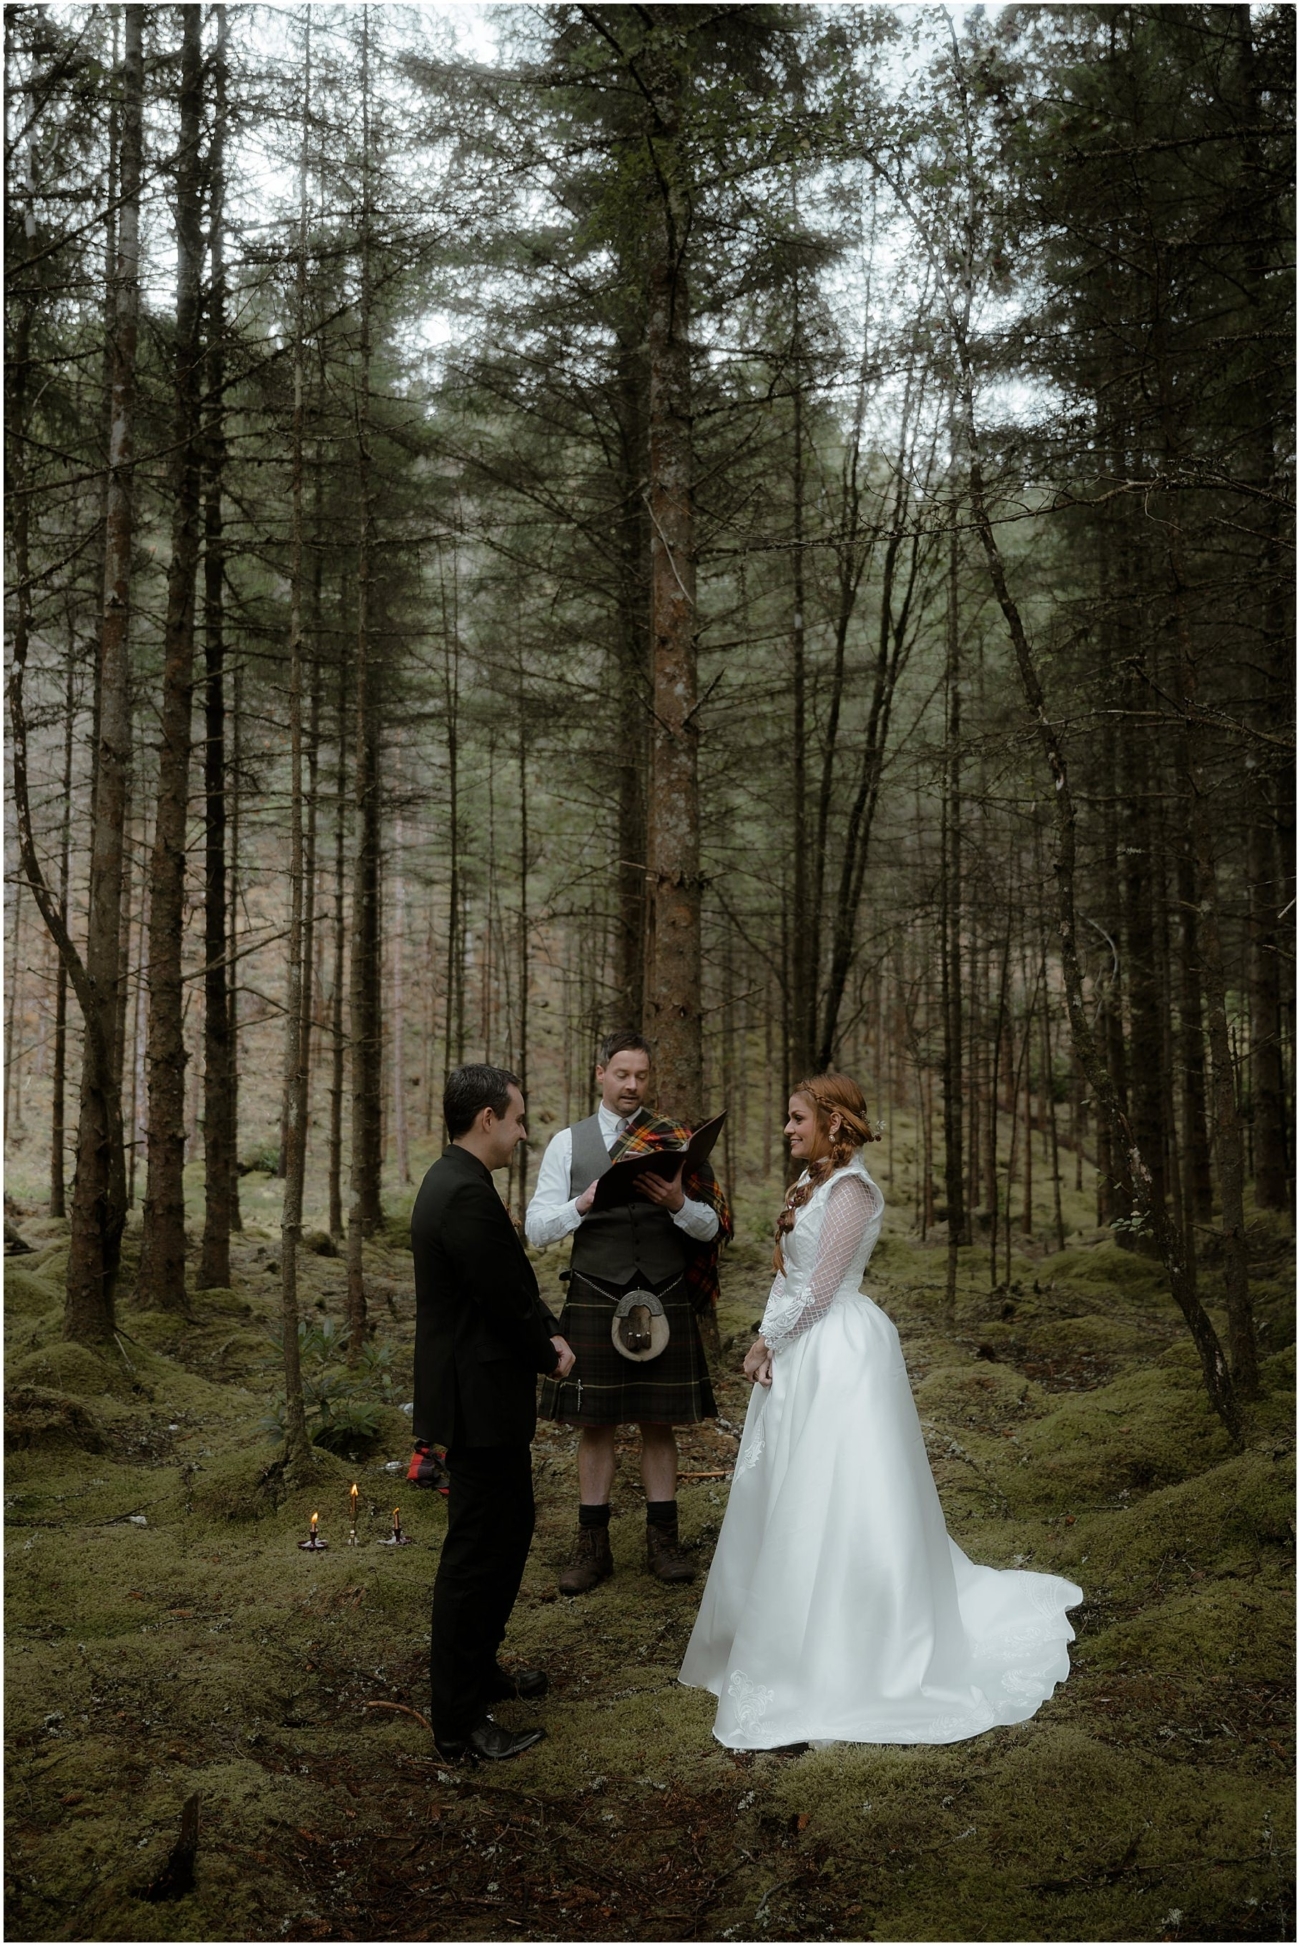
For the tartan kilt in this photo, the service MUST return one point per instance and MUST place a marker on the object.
(671, 1390)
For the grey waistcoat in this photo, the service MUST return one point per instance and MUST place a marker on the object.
(637, 1241)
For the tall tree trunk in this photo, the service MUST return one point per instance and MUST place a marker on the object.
(523, 933)
(1229, 1148)
(950, 918)
(632, 689)
(161, 1284)
(338, 1048)
(99, 1188)
(364, 1213)
(218, 1042)
(1138, 893)
(803, 918)
(673, 887)
(901, 566)
(1229, 1145)
(139, 1025)
(13, 1110)
(1267, 229)
(235, 778)
(455, 980)
(1268, 1072)
(58, 1161)
(1198, 1185)
(398, 944)
(1214, 1366)
(294, 1145)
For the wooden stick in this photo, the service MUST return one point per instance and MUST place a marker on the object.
(405, 1709)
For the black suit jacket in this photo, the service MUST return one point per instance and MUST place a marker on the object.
(482, 1333)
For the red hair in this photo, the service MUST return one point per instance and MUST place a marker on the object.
(829, 1094)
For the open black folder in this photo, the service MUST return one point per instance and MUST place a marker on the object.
(618, 1184)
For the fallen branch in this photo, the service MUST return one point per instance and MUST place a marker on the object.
(403, 1709)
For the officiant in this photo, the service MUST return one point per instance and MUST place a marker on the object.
(640, 1275)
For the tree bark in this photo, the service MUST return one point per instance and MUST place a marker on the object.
(58, 1129)
(1218, 1378)
(338, 1048)
(632, 688)
(950, 917)
(294, 1144)
(673, 885)
(804, 915)
(99, 1188)
(161, 1283)
(364, 1213)
(218, 1042)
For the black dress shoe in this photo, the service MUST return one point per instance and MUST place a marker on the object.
(526, 1684)
(487, 1743)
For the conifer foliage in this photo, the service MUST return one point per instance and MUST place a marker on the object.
(770, 526)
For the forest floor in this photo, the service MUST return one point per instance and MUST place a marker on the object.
(167, 1637)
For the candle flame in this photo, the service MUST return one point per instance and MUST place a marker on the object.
(397, 1516)
(353, 1494)
(314, 1519)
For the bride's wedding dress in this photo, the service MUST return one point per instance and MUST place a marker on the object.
(837, 1608)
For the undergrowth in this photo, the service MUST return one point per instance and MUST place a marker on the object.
(167, 1636)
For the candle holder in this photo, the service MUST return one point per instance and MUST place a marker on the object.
(313, 1543)
(397, 1538)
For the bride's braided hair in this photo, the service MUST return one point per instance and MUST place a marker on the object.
(830, 1094)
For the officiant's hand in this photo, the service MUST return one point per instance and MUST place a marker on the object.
(668, 1195)
(564, 1358)
(758, 1363)
(587, 1198)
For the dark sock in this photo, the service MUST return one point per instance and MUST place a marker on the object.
(661, 1513)
(593, 1516)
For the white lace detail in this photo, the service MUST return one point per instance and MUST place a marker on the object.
(1020, 1684)
(968, 1723)
(752, 1454)
(826, 1253)
(750, 1698)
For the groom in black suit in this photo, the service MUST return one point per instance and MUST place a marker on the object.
(482, 1334)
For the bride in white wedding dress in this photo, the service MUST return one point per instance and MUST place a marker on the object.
(837, 1609)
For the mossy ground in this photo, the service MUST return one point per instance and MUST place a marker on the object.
(167, 1636)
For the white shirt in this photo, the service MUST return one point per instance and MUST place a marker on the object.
(553, 1213)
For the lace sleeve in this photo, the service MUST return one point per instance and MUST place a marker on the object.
(853, 1204)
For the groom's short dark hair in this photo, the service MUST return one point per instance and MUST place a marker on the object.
(470, 1090)
(622, 1042)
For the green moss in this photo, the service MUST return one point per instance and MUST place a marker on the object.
(27, 1294)
(205, 1651)
(251, 1484)
(979, 1388)
(1245, 1628)
(1146, 1429)
(1235, 1509)
(38, 1418)
(1040, 1832)
(66, 1367)
(1125, 1274)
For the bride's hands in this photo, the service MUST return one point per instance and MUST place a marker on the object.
(758, 1363)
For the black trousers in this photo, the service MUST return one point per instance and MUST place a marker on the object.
(489, 1528)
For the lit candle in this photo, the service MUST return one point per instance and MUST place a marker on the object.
(397, 1520)
(353, 1498)
(314, 1519)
